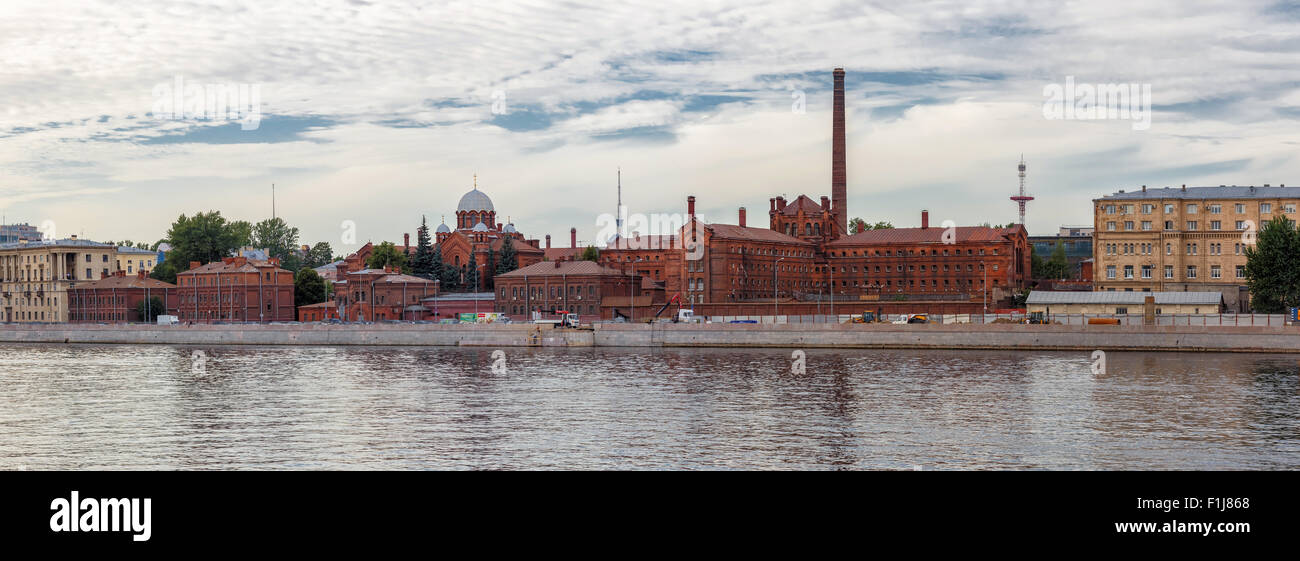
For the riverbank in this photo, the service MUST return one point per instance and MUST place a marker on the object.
(884, 336)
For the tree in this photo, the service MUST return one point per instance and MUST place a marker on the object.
(1273, 267)
(472, 274)
(1056, 267)
(150, 309)
(205, 238)
(590, 253)
(277, 238)
(435, 264)
(242, 230)
(309, 288)
(491, 265)
(386, 254)
(166, 270)
(449, 278)
(509, 257)
(857, 225)
(422, 265)
(319, 255)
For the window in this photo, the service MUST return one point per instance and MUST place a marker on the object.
(1289, 208)
(1110, 209)
(1128, 271)
(1241, 224)
(1146, 224)
(1110, 271)
(1128, 225)
(1146, 271)
(1214, 209)
(1169, 209)
(1110, 226)
(1215, 225)
(1241, 271)
(1169, 224)
(1191, 225)
(1240, 208)
(1265, 208)
(1169, 271)
(1148, 208)
(1191, 209)
(1191, 271)
(1121, 310)
(1215, 272)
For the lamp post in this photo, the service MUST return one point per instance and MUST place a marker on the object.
(985, 270)
(776, 311)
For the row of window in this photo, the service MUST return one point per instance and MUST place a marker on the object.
(1216, 271)
(1192, 208)
(1191, 249)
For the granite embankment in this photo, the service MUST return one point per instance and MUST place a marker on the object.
(1064, 337)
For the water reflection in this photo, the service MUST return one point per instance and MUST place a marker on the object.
(142, 407)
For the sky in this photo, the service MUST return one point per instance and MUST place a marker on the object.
(373, 115)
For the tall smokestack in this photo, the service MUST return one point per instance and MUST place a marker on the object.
(690, 206)
(573, 237)
(548, 241)
(925, 219)
(406, 239)
(839, 170)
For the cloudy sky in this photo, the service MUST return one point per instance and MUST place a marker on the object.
(380, 112)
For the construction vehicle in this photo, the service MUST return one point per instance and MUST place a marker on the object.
(1036, 318)
(866, 317)
(676, 299)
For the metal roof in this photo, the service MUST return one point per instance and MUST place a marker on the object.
(66, 242)
(1132, 298)
(1220, 192)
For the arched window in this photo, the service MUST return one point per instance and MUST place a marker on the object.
(817, 229)
(807, 229)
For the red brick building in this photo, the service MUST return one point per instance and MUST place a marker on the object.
(117, 298)
(382, 294)
(319, 312)
(574, 286)
(235, 289)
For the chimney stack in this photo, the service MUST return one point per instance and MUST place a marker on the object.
(742, 217)
(826, 204)
(690, 206)
(194, 265)
(772, 202)
(780, 204)
(573, 238)
(406, 239)
(925, 219)
(839, 169)
(548, 241)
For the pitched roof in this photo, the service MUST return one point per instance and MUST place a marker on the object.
(233, 266)
(1131, 298)
(804, 203)
(1220, 192)
(125, 281)
(557, 253)
(925, 235)
(557, 268)
(125, 249)
(734, 232)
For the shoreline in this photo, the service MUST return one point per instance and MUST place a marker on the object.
(860, 336)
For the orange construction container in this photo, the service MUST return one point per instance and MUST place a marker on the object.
(1103, 321)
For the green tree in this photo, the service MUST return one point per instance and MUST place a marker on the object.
(309, 288)
(242, 230)
(319, 255)
(509, 257)
(590, 253)
(436, 270)
(422, 265)
(857, 225)
(472, 274)
(277, 238)
(386, 254)
(149, 310)
(449, 278)
(1273, 267)
(205, 238)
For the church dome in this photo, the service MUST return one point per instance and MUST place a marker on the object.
(480, 227)
(443, 229)
(475, 201)
(509, 229)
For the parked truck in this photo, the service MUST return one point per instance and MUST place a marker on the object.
(560, 318)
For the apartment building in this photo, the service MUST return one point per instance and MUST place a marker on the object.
(35, 276)
(1183, 239)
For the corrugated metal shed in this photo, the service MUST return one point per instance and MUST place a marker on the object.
(1133, 298)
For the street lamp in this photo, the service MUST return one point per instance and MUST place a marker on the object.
(775, 310)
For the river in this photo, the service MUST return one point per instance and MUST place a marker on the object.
(401, 408)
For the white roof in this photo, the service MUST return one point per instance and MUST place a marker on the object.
(1116, 297)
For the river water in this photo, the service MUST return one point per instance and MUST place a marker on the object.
(151, 407)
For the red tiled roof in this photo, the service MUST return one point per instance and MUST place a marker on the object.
(126, 281)
(804, 202)
(549, 268)
(557, 253)
(925, 235)
(248, 266)
(732, 231)
(669, 241)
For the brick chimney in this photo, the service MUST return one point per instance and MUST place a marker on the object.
(690, 206)
(140, 274)
(925, 219)
(742, 217)
(194, 265)
(573, 237)
(406, 239)
(771, 205)
(780, 204)
(548, 241)
(227, 260)
(826, 203)
(839, 170)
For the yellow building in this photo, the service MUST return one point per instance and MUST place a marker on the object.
(35, 276)
(132, 259)
(1106, 303)
(1183, 238)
